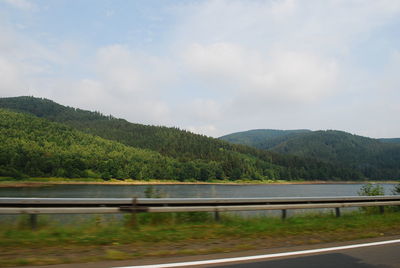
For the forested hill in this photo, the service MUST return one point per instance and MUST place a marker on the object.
(392, 140)
(168, 141)
(372, 157)
(31, 146)
(263, 138)
(202, 158)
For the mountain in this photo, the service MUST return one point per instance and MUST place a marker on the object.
(180, 155)
(263, 138)
(30, 146)
(392, 140)
(371, 157)
(33, 146)
(168, 141)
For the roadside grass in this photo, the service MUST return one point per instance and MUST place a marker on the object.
(100, 238)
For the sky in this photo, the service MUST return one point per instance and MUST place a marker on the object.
(211, 67)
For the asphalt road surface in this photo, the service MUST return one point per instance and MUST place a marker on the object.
(371, 253)
(383, 256)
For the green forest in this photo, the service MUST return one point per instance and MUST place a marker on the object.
(373, 158)
(31, 146)
(40, 138)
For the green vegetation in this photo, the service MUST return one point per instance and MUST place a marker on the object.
(178, 234)
(31, 146)
(370, 189)
(368, 158)
(45, 181)
(115, 148)
(393, 140)
(263, 138)
(396, 189)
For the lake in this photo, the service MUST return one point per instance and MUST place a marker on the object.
(191, 190)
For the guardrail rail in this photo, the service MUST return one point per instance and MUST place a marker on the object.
(34, 206)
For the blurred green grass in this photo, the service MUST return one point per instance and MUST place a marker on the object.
(175, 227)
(149, 235)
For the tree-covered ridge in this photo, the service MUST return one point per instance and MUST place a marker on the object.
(390, 140)
(37, 147)
(168, 141)
(370, 157)
(172, 142)
(201, 157)
(263, 138)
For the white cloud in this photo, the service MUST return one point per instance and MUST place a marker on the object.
(21, 4)
(15, 64)
(288, 23)
(126, 84)
(128, 71)
(208, 130)
(273, 77)
(11, 78)
(288, 64)
(206, 110)
(390, 80)
(110, 13)
(199, 112)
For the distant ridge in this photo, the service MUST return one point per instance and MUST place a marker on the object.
(262, 138)
(372, 157)
(390, 140)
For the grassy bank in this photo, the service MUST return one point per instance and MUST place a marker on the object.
(48, 181)
(157, 235)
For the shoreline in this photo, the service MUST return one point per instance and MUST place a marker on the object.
(28, 183)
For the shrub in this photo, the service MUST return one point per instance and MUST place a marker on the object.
(371, 190)
(396, 189)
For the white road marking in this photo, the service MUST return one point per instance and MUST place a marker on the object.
(267, 256)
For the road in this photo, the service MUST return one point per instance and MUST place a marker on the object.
(370, 253)
(384, 256)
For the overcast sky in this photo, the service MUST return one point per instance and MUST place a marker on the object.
(212, 67)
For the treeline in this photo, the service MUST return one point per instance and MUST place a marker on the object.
(30, 146)
(172, 142)
(370, 158)
(183, 155)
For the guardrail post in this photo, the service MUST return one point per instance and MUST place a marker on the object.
(216, 215)
(284, 214)
(381, 209)
(133, 221)
(337, 211)
(33, 221)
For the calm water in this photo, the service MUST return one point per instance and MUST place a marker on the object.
(186, 191)
(189, 190)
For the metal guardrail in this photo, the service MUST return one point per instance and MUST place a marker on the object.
(130, 205)
(176, 201)
(35, 206)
